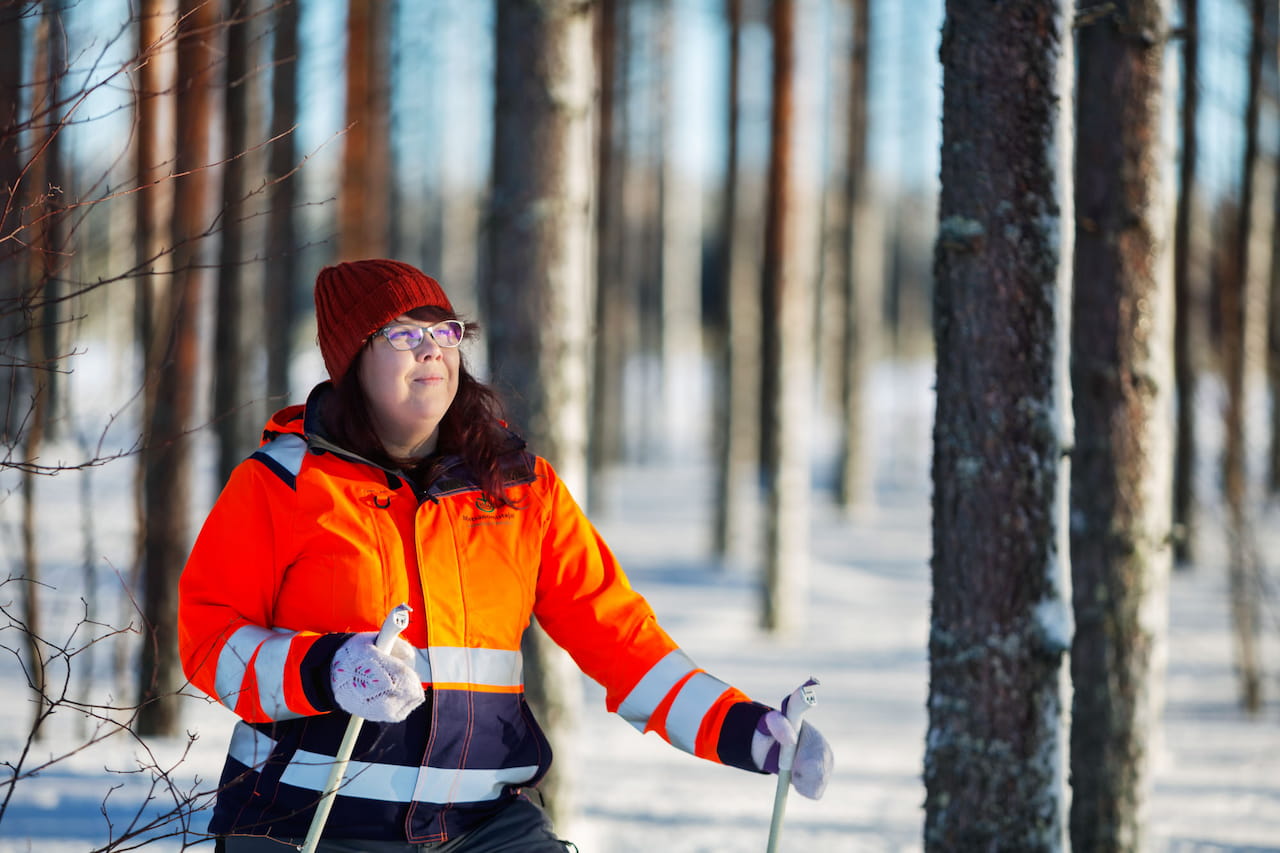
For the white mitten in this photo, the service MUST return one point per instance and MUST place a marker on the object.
(371, 684)
(811, 766)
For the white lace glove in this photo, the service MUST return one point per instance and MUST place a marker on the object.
(811, 767)
(375, 686)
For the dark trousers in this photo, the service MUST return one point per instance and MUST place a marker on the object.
(521, 827)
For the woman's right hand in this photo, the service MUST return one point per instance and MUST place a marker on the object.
(372, 684)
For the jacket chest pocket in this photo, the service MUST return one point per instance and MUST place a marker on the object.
(354, 563)
(491, 571)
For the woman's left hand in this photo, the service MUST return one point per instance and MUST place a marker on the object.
(813, 761)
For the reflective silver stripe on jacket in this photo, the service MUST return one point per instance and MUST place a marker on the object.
(271, 649)
(384, 782)
(479, 667)
(692, 704)
(645, 697)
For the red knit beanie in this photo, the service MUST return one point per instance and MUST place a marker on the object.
(356, 298)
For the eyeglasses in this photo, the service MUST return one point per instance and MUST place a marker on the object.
(404, 337)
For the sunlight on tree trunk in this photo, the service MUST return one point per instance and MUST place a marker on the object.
(1001, 620)
(1122, 381)
(538, 305)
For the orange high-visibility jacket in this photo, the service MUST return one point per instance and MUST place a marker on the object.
(308, 544)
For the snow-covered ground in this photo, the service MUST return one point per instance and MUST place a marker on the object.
(1218, 771)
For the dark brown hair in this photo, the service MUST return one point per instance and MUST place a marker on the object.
(472, 428)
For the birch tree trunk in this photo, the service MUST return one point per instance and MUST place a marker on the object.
(1122, 386)
(538, 295)
(1000, 625)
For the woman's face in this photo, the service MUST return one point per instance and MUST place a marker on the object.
(409, 391)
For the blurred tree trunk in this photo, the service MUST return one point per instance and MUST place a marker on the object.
(613, 294)
(1273, 356)
(1122, 391)
(993, 767)
(738, 410)
(281, 276)
(234, 333)
(786, 348)
(12, 284)
(863, 274)
(1273, 300)
(1243, 335)
(1185, 302)
(538, 294)
(364, 207)
(42, 203)
(681, 296)
(167, 453)
(153, 228)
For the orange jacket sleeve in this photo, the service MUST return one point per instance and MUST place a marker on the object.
(225, 636)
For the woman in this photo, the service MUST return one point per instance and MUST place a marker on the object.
(399, 482)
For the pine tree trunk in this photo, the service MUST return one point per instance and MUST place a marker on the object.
(604, 442)
(1122, 382)
(1000, 624)
(13, 377)
(231, 321)
(281, 277)
(152, 227)
(167, 455)
(738, 426)
(538, 294)
(1185, 304)
(1241, 325)
(863, 275)
(364, 207)
(681, 327)
(788, 355)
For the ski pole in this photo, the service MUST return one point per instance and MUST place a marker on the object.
(397, 620)
(802, 699)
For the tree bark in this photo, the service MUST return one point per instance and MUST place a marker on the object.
(152, 241)
(1185, 303)
(231, 337)
(613, 303)
(167, 454)
(786, 344)
(364, 207)
(863, 269)
(1241, 357)
(12, 283)
(1122, 382)
(738, 425)
(280, 309)
(538, 294)
(1000, 623)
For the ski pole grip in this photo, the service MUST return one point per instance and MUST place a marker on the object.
(397, 620)
(801, 699)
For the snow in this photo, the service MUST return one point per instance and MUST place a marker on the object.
(1217, 782)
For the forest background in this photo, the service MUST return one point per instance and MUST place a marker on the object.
(725, 174)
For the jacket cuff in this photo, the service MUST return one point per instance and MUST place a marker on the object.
(734, 745)
(316, 683)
